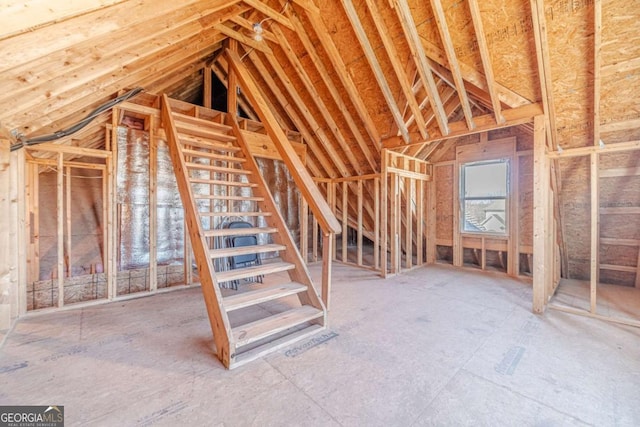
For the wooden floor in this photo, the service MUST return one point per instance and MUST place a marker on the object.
(435, 346)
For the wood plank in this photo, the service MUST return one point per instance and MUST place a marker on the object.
(359, 231)
(327, 257)
(235, 214)
(375, 67)
(220, 182)
(271, 13)
(244, 273)
(259, 296)
(263, 328)
(452, 58)
(215, 156)
(424, 70)
(345, 211)
(384, 196)
(206, 87)
(540, 220)
(50, 147)
(618, 172)
(409, 190)
(304, 230)
(194, 141)
(620, 210)
(246, 40)
(619, 242)
(419, 222)
(153, 206)
(485, 56)
(262, 146)
(204, 132)
(298, 172)
(624, 268)
(220, 169)
(597, 65)
(7, 296)
(376, 226)
(585, 151)
(232, 90)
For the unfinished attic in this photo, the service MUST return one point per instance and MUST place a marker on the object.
(310, 187)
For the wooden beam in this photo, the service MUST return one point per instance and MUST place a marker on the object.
(299, 173)
(420, 58)
(540, 215)
(271, 13)
(376, 229)
(246, 40)
(316, 147)
(375, 67)
(50, 147)
(60, 227)
(544, 67)
(232, 81)
(153, 205)
(335, 92)
(206, 91)
(585, 151)
(597, 65)
(486, 59)
(452, 58)
(327, 257)
(398, 68)
(317, 99)
(6, 246)
(513, 117)
(342, 72)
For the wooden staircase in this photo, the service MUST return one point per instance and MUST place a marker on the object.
(216, 175)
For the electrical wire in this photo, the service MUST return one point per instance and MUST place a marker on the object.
(78, 126)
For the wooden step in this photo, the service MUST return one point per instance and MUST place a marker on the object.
(222, 197)
(194, 141)
(244, 250)
(219, 182)
(275, 345)
(222, 232)
(199, 121)
(247, 299)
(220, 169)
(254, 331)
(203, 132)
(243, 273)
(213, 156)
(239, 214)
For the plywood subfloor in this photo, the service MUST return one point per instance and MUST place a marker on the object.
(435, 346)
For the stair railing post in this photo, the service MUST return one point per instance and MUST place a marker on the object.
(327, 257)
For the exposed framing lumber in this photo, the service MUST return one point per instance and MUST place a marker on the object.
(398, 68)
(375, 67)
(335, 92)
(245, 40)
(222, 76)
(206, 89)
(299, 173)
(597, 65)
(594, 259)
(541, 181)
(6, 297)
(424, 70)
(273, 14)
(486, 60)
(60, 227)
(153, 206)
(318, 101)
(485, 123)
(452, 58)
(313, 14)
(585, 151)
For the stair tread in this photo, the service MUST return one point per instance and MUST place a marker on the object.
(239, 214)
(220, 232)
(244, 250)
(275, 345)
(243, 273)
(223, 197)
(220, 182)
(195, 141)
(216, 156)
(258, 296)
(204, 130)
(254, 331)
(191, 165)
(185, 118)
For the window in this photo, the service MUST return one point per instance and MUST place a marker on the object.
(483, 196)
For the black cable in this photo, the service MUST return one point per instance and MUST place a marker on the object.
(81, 124)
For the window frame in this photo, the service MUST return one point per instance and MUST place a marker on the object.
(507, 197)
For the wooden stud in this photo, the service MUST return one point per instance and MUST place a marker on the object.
(375, 67)
(376, 230)
(595, 232)
(60, 227)
(540, 215)
(327, 256)
(345, 209)
(597, 65)
(232, 85)
(420, 221)
(513, 260)
(486, 59)
(304, 229)
(153, 206)
(359, 243)
(431, 220)
(409, 190)
(206, 91)
(271, 13)
(384, 220)
(7, 291)
(68, 219)
(314, 243)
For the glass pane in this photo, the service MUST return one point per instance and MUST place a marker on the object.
(485, 216)
(485, 180)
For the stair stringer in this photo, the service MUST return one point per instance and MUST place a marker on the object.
(220, 324)
(292, 255)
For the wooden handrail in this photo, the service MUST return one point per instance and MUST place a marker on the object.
(321, 209)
